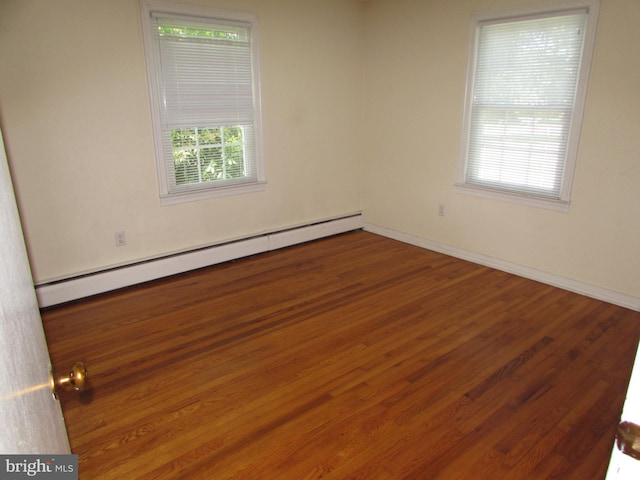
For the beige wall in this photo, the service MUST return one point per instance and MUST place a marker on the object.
(75, 115)
(415, 70)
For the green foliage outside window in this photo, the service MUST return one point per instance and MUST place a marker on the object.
(187, 32)
(207, 154)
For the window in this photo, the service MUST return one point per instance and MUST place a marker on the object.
(203, 76)
(526, 89)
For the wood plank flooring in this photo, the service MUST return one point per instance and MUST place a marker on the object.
(352, 357)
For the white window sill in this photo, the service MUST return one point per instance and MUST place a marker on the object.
(538, 202)
(214, 192)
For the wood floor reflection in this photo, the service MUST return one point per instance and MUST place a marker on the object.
(355, 356)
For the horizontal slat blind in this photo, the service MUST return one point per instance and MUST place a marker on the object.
(206, 80)
(207, 103)
(526, 72)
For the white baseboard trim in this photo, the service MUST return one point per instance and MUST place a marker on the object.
(74, 288)
(569, 284)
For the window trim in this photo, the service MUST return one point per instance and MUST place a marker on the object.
(154, 7)
(515, 14)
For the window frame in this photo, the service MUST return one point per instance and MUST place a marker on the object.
(204, 190)
(591, 7)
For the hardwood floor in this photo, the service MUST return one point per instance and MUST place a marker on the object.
(355, 356)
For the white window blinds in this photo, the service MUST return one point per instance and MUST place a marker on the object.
(206, 73)
(205, 93)
(521, 108)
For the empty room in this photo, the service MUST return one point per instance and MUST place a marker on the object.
(295, 239)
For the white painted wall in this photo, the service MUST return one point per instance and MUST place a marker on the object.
(76, 118)
(415, 83)
(75, 114)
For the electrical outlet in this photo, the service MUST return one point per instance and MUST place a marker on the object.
(441, 209)
(121, 239)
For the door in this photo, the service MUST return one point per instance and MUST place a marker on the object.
(31, 416)
(625, 467)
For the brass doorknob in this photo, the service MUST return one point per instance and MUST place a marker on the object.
(77, 379)
(628, 439)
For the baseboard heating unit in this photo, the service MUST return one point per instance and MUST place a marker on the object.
(74, 288)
